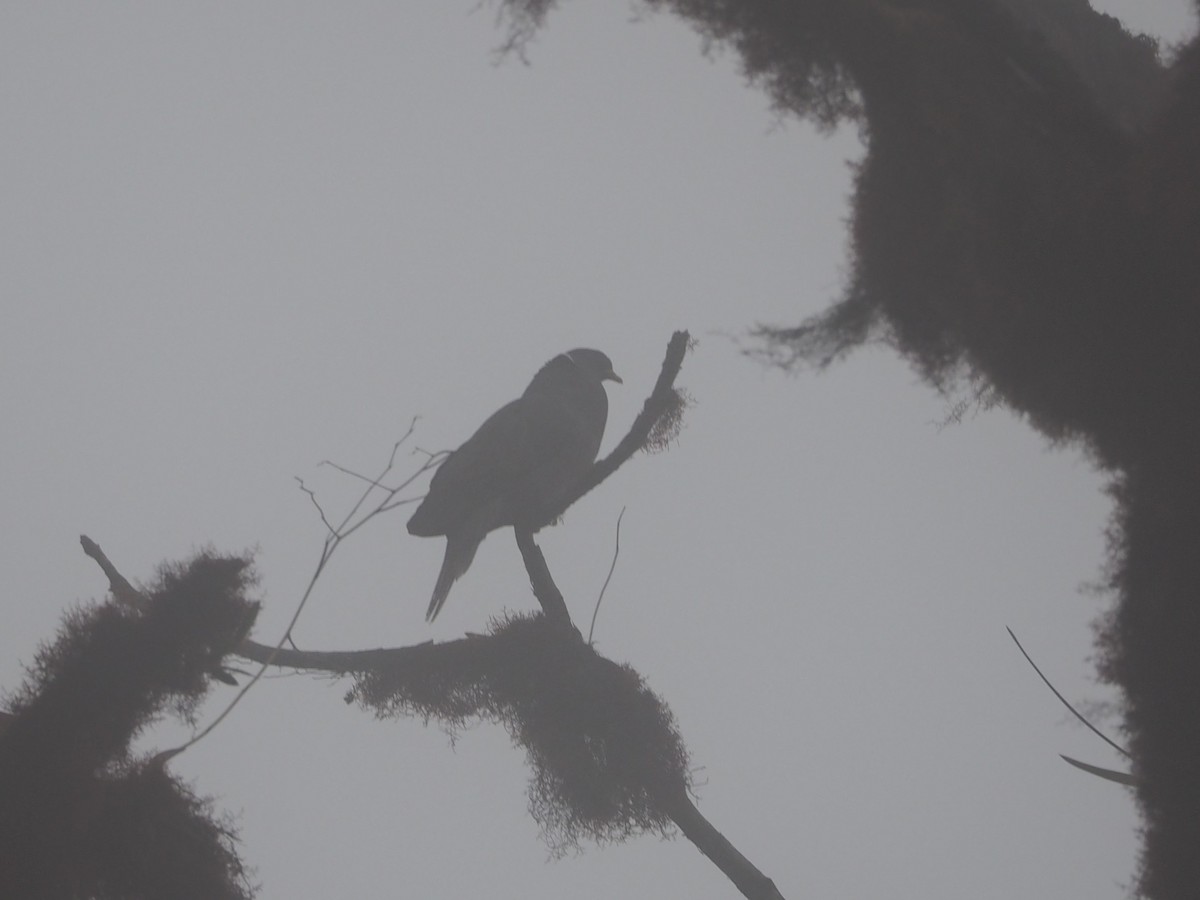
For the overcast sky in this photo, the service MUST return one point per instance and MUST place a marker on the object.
(237, 239)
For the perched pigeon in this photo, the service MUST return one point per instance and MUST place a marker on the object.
(520, 464)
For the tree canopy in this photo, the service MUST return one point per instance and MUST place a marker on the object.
(1026, 225)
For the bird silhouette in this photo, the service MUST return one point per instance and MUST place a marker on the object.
(520, 465)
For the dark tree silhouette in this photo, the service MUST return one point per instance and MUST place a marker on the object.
(1027, 224)
(79, 815)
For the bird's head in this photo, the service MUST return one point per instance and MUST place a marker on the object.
(593, 363)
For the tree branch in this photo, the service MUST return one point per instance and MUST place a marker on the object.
(662, 400)
(744, 874)
(341, 662)
(540, 579)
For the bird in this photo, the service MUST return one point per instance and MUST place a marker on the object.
(519, 466)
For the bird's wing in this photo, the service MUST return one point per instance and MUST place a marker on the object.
(501, 461)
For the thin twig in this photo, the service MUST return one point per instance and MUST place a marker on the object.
(313, 497)
(608, 578)
(331, 544)
(432, 455)
(404, 501)
(332, 541)
(345, 471)
(1064, 702)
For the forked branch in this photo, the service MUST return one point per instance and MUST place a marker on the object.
(664, 402)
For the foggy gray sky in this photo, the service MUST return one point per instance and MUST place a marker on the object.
(240, 239)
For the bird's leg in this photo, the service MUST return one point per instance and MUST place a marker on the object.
(544, 588)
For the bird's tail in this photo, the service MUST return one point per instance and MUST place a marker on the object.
(460, 551)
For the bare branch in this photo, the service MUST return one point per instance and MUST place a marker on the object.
(313, 497)
(345, 471)
(745, 876)
(1065, 703)
(122, 590)
(341, 662)
(663, 400)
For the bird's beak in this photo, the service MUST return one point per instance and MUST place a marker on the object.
(612, 376)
